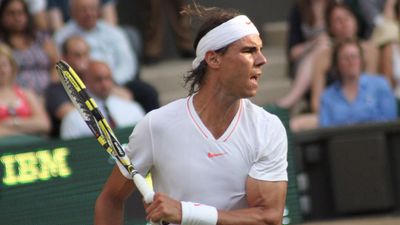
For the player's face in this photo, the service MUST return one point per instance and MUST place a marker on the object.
(241, 67)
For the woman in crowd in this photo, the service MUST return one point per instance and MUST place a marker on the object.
(21, 112)
(306, 38)
(34, 52)
(342, 25)
(356, 97)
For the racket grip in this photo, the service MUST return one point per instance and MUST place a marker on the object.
(145, 190)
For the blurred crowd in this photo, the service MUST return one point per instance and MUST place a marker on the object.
(35, 34)
(344, 62)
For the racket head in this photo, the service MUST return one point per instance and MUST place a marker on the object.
(73, 88)
(92, 116)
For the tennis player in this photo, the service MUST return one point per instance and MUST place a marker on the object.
(214, 157)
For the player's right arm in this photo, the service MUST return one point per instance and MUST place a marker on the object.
(109, 208)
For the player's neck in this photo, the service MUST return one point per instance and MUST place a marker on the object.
(215, 111)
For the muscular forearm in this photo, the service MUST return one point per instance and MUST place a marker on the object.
(250, 216)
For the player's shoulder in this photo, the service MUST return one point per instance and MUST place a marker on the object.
(169, 111)
(260, 120)
(262, 123)
(258, 114)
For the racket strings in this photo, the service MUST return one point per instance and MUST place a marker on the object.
(78, 101)
(93, 117)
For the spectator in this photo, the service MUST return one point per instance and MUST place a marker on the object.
(119, 112)
(356, 97)
(385, 35)
(372, 14)
(20, 110)
(307, 38)
(154, 32)
(107, 43)
(356, 8)
(342, 24)
(75, 51)
(34, 52)
(37, 8)
(58, 13)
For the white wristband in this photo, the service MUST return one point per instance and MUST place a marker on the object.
(198, 214)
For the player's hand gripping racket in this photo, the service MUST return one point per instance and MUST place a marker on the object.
(87, 107)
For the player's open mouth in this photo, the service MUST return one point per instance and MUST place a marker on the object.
(254, 80)
(254, 77)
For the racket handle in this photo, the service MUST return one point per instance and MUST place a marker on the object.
(145, 190)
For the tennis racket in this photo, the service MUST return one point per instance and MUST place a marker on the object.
(89, 111)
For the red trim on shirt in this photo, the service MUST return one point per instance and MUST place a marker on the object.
(192, 117)
(236, 122)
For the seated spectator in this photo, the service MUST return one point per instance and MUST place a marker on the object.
(355, 97)
(307, 37)
(34, 52)
(385, 34)
(315, 69)
(118, 111)
(58, 13)
(342, 25)
(37, 8)
(382, 28)
(108, 44)
(373, 14)
(75, 51)
(20, 110)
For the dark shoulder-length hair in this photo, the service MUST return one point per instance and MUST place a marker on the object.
(4, 32)
(306, 13)
(210, 18)
(329, 12)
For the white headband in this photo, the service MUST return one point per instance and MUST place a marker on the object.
(222, 35)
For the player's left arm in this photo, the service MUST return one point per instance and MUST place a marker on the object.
(266, 200)
(266, 184)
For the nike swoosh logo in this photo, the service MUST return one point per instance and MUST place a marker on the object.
(212, 155)
(248, 22)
